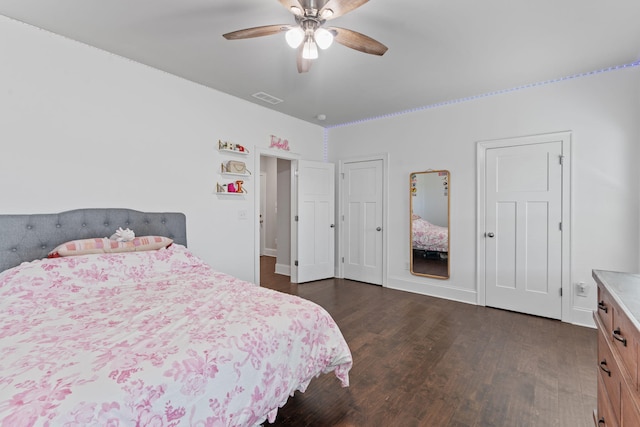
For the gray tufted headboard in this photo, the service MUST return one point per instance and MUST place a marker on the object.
(29, 237)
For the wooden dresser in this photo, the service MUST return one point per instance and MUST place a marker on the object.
(618, 321)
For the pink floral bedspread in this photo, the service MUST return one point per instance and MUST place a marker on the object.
(430, 237)
(154, 339)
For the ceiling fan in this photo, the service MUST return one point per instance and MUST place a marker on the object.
(309, 33)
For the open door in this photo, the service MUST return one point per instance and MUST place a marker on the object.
(315, 221)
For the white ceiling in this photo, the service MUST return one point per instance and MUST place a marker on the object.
(439, 50)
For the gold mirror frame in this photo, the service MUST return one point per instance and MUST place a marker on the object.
(429, 243)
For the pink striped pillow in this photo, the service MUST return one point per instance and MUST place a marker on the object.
(105, 245)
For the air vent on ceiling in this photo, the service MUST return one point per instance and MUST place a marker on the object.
(267, 98)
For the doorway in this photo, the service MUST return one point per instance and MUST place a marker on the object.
(523, 224)
(307, 189)
(275, 217)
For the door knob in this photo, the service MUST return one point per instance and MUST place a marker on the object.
(332, 225)
(378, 228)
(489, 234)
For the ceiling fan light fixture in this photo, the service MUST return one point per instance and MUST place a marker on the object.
(310, 50)
(323, 38)
(308, 34)
(326, 14)
(294, 37)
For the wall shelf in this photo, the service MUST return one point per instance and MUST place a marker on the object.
(233, 171)
(226, 150)
(224, 193)
(231, 174)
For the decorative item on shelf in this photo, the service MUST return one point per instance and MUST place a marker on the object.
(236, 187)
(230, 146)
(235, 167)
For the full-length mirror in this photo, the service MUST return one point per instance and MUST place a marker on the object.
(429, 210)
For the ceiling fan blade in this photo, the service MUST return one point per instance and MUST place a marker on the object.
(303, 64)
(248, 33)
(340, 7)
(357, 41)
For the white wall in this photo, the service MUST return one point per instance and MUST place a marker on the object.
(80, 127)
(602, 111)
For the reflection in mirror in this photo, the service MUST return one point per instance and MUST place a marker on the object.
(429, 210)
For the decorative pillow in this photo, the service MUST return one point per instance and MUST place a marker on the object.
(105, 245)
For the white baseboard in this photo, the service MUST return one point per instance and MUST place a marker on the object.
(283, 269)
(460, 295)
(579, 316)
(270, 252)
(583, 317)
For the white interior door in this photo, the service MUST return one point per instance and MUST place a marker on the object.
(362, 221)
(523, 230)
(315, 219)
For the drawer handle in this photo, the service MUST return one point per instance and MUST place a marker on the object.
(616, 335)
(603, 366)
(602, 306)
(601, 421)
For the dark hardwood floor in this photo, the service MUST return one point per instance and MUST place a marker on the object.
(423, 361)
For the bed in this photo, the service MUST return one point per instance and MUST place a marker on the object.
(146, 338)
(428, 237)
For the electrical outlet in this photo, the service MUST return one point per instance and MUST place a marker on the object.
(582, 289)
(242, 214)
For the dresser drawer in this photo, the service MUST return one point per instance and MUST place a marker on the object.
(629, 411)
(609, 374)
(605, 309)
(624, 337)
(604, 416)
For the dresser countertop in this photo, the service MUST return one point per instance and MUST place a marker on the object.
(625, 290)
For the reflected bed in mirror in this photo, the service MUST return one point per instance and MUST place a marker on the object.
(429, 210)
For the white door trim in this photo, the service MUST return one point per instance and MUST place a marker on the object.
(385, 210)
(270, 152)
(482, 147)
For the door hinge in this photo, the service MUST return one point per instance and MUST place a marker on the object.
(560, 291)
(560, 226)
(343, 260)
(343, 217)
(296, 218)
(295, 263)
(561, 159)
(295, 172)
(342, 175)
